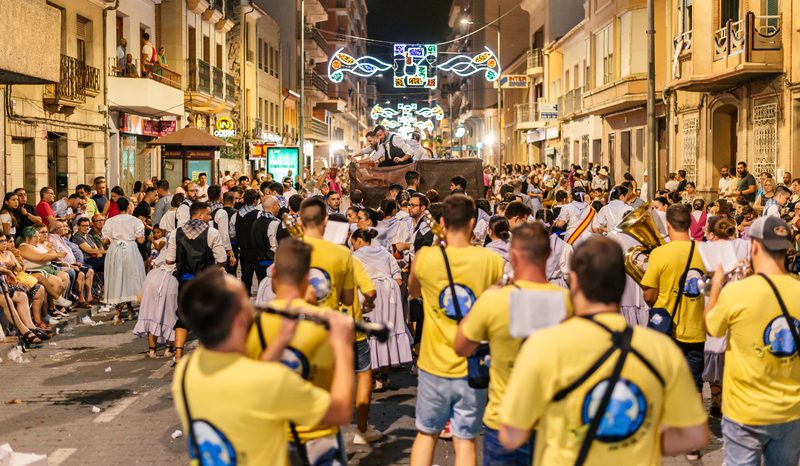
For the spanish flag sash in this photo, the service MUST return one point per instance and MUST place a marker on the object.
(587, 220)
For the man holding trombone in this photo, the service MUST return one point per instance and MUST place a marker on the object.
(761, 380)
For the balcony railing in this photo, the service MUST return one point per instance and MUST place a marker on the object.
(535, 58)
(744, 36)
(218, 82)
(317, 128)
(230, 88)
(316, 81)
(158, 73)
(199, 76)
(572, 101)
(682, 42)
(526, 113)
(317, 37)
(76, 81)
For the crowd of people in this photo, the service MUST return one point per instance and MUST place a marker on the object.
(518, 312)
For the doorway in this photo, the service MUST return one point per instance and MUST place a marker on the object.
(724, 140)
(57, 170)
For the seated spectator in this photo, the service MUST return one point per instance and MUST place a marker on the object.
(38, 261)
(81, 284)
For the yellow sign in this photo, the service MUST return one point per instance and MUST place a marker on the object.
(224, 128)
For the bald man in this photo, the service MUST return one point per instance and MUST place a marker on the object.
(264, 239)
(182, 214)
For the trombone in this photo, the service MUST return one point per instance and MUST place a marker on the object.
(740, 271)
(380, 331)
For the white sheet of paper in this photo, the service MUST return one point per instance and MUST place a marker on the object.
(336, 232)
(533, 310)
(715, 253)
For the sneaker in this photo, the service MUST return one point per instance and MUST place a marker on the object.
(368, 436)
(62, 301)
(60, 313)
(445, 433)
(693, 455)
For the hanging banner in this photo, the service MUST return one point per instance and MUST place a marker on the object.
(513, 81)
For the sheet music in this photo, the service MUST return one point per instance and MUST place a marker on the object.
(337, 232)
(533, 310)
(716, 253)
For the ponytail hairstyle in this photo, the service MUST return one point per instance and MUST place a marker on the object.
(500, 228)
(372, 215)
(721, 227)
(366, 235)
(617, 192)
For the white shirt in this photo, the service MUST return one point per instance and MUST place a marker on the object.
(167, 222)
(418, 152)
(774, 210)
(397, 141)
(123, 227)
(221, 224)
(202, 193)
(212, 239)
(182, 214)
(574, 213)
(558, 262)
(610, 215)
(724, 184)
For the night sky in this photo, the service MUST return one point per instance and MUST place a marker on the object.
(404, 21)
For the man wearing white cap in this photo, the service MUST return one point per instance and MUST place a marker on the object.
(601, 180)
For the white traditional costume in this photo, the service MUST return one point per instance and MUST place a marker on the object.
(124, 269)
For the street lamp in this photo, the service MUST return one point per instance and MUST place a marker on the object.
(496, 26)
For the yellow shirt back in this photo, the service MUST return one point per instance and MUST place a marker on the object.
(489, 319)
(309, 355)
(664, 270)
(364, 285)
(331, 271)
(474, 270)
(761, 384)
(552, 359)
(246, 421)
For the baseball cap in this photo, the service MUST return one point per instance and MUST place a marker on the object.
(772, 232)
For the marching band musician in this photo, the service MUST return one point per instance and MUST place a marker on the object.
(248, 420)
(391, 150)
(554, 388)
(576, 217)
(761, 381)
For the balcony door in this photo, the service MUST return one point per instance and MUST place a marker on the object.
(724, 139)
(57, 169)
(729, 11)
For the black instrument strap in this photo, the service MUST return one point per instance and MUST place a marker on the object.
(594, 424)
(454, 296)
(192, 439)
(784, 311)
(301, 447)
(682, 284)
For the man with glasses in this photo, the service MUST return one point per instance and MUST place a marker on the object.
(93, 253)
(182, 214)
(98, 222)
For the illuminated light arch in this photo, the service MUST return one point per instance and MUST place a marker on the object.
(464, 65)
(364, 67)
(378, 112)
(431, 112)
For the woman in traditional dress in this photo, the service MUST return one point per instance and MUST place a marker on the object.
(384, 272)
(159, 307)
(124, 268)
(168, 220)
(500, 235)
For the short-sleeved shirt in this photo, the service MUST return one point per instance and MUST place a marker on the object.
(490, 319)
(640, 406)
(91, 208)
(474, 270)
(761, 383)
(308, 354)
(744, 183)
(142, 210)
(251, 416)
(331, 271)
(100, 201)
(364, 285)
(664, 269)
(44, 210)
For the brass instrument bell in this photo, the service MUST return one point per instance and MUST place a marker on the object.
(639, 225)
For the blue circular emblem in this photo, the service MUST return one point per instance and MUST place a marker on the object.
(214, 446)
(624, 414)
(690, 287)
(778, 337)
(320, 280)
(296, 361)
(466, 298)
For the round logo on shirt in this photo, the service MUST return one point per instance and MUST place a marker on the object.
(465, 296)
(296, 361)
(320, 280)
(691, 289)
(624, 414)
(778, 337)
(214, 446)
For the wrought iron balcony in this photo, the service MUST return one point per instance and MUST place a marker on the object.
(76, 82)
(199, 76)
(218, 82)
(158, 73)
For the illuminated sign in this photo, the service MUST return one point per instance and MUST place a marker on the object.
(224, 128)
(464, 65)
(282, 160)
(408, 118)
(415, 65)
(364, 66)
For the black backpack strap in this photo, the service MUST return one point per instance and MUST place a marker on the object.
(784, 311)
(260, 330)
(192, 439)
(453, 294)
(682, 283)
(594, 424)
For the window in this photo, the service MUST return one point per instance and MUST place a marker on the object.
(566, 80)
(192, 35)
(604, 55)
(685, 15)
(729, 11)
(267, 56)
(276, 64)
(83, 34)
(575, 77)
(206, 49)
(260, 54)
(612, 145)
(219, 56)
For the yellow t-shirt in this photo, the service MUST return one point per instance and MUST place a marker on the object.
(552, 359)
(331, 271)
(761, 384)
(247, 421)
(664, 270)
(474, 270)
(489, 319)
(364, 284)
(309, 355)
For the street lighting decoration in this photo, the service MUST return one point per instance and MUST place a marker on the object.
(378, 112)
(464, 65)
(363, 67)
(431, 112)
(408, 119)
(415, 65)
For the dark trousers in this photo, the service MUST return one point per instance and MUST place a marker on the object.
(250, 267)
(694, 354)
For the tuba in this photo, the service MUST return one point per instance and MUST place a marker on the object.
(291, 225)
(639, 225)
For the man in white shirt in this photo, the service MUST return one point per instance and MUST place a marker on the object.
(725, 181)
(202, 188)
(610, 215)
(392, 149)
(148, 54)
(418, 151)
(778, 202)
(182, 214)
(288, 189)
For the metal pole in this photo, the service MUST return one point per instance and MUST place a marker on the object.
(301, 113)
(499, 98)
(651, 101)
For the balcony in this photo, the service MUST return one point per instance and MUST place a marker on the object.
(218, 89)
(316, 46)
(159, 93)
(537, 115)
(740, 51)
(316, 129)
(198, 73)
(618, 95)
(77, 80)
(535, 63)
(571, 104)
(230, 88)
(316, 83)
(205, 87)
(258, 128)
(316, 11)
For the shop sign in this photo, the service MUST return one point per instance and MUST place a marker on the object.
(548, 111)
(224, 128)
(513, 81)
(143, 126)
